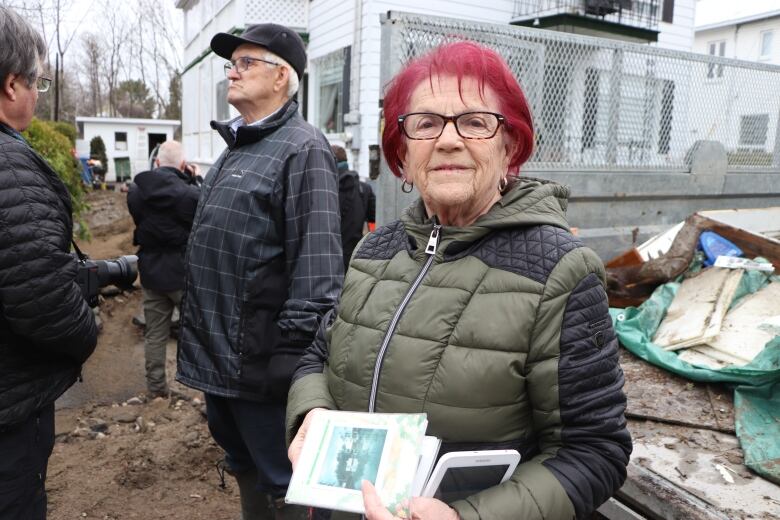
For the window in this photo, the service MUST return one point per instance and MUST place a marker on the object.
(80, 127)
(223, 110)
(120, 141)
(668, 11)
(332, 90)
(753, 130)
(766, 45)
(716, 49)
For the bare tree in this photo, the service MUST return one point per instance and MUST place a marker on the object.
(115, 39)
(92, 71)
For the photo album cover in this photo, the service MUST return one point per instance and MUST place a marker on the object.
(342, 449)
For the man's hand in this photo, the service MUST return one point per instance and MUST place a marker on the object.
(192, 169)
(422, 508)
(294, 451)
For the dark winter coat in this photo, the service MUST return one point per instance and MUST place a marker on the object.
(162, 203)
(46, 328)
(352, 211)
(264, 260)
(501, 334)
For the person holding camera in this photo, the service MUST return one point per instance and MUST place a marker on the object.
(47, 330)
(162, 203)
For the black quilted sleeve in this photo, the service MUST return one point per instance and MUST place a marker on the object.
(591, 463)
(315, 356)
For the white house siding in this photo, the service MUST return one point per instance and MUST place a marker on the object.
(733, 98)
(678, 35)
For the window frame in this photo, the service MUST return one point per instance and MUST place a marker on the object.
(771, 34)
(117, 141)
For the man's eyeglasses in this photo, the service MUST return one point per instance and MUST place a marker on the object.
(42, 84)
(469, 125)
(242, 64)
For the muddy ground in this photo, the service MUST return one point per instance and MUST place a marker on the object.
(114, 460)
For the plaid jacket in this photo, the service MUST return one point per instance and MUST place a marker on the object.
(263, 261)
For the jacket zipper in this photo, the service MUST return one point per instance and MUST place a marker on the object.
(430, 249)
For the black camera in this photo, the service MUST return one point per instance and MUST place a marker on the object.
(94, 274)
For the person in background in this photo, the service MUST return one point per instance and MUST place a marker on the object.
(162, 203)
(478, 306)
(47, 330)
(263, 265)
(369, 205)
(351, 206)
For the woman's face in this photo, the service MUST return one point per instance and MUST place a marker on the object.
(456, 177)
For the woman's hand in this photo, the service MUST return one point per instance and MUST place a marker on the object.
(421, 508)
(294, 451)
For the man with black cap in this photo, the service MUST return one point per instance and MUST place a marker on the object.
(263, 263)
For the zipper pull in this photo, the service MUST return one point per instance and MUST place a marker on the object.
(433, 241)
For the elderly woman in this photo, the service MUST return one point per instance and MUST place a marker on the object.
(477, 307)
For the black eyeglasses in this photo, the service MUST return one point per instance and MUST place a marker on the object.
(469, 125)
(42, 83)
(242, 64)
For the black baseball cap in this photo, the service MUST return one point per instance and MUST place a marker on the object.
(280, 40)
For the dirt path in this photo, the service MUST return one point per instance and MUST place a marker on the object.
(114, 460)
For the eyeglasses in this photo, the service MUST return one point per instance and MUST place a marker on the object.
(42, 83)
(242, 64)
(469, 125)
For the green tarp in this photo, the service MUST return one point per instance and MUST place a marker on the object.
(756, 385)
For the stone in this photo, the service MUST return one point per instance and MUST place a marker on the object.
(96, 425)
(123, 415)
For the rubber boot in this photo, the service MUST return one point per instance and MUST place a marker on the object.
(254, 504)
(284, 511)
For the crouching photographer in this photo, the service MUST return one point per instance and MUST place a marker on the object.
(47, 330)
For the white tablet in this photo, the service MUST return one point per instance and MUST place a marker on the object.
(460, 474)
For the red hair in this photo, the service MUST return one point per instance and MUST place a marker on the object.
(463, 59)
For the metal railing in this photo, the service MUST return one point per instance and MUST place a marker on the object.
(636, 13)
(607, 105)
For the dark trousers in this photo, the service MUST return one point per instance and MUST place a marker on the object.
(24, 456)
(252, 435)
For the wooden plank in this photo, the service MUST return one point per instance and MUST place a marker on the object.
(657, 395)
(696, 313)
(741, 335)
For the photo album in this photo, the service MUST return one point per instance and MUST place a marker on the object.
(342, 449)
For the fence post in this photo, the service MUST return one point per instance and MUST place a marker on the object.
(776, 151)
(614, 106)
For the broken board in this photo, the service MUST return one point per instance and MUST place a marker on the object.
(696, 313)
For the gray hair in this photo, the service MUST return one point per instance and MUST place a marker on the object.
(171, 154)
(293, 82)
(21, 47)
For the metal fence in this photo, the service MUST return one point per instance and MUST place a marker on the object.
(607, 105)
(635, 13)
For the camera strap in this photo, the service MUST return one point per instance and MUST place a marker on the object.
(81, 255)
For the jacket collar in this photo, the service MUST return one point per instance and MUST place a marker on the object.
(13, 133)
(175, 171)
(249, 134)
(528, 202)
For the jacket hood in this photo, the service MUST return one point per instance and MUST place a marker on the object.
(157, 187)
(528, 202)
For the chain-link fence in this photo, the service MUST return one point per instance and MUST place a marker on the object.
(607, 105)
